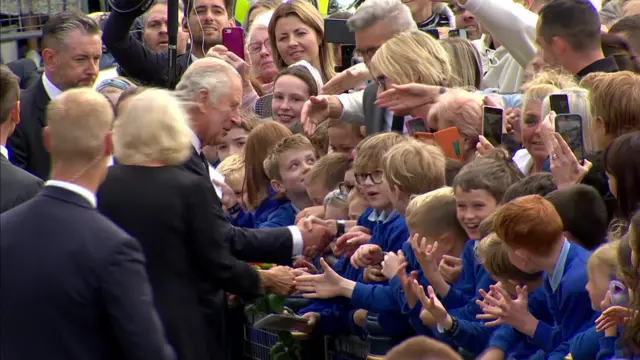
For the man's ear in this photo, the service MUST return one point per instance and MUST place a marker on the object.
(202, 99)
(15, 114)
(185, 24)
(49, 58)
(232, 22)
(278, 186)
(46, 139)
(108, 144)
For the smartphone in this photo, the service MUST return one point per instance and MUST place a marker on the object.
(559, 103)
(415, 125)
(233, 40)
(492, 124)
(569, 126)
(618, 293)
(461, 33)
(433, 32)
(336, 31)
(450, 142)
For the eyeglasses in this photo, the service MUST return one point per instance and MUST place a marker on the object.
(256, 47)
(345, 188)
(376, 177)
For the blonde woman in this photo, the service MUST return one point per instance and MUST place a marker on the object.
(168, 211)
(296, 32)
(411, 57)
(465, 62)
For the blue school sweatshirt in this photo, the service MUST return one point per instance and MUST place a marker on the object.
(473, 278)
(515, 344)
(252, 220)
(285, 215)
(568, 301)
(593, 345)
(379, 298)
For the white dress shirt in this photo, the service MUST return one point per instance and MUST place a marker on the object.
(4, 151)
(296, 234)
(51, 89)
(84, 192)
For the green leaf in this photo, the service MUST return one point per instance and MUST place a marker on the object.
(276, 304)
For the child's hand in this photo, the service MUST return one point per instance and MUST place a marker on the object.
(304, 265)
(501, 309)
(373, 274)
(313, 319)
(614, 316)
(450, 268)
(324, 286)
(425, 254)
(229, 198)
(391, 263)
(348, 243)
(317, 211)
(431, 302)
(410, 295)
(427, 319)
(367, 255)
(360, 317)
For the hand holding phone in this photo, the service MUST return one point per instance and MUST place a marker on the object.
(415, 125)
(569, 126)
(233, 40)
(559, 103)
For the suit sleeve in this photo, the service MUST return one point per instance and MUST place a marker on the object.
(211, 249)
(18, 145)
(128, 298)
(134, 58)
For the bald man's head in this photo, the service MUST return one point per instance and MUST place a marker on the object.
(78, 125)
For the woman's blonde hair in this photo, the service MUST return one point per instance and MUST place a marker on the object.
(259, 144)
(554, 77)
(465, 62)
(153, 128)
(578, 104)
(413, 57)
(536, 93)
(605, 258)
(309, 15)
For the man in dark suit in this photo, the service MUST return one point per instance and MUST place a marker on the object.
(16, 185)
(71, 51)
(208, 79)
(74, 285)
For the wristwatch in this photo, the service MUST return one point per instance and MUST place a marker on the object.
(339, 228)
(234, 209)
(452, 330)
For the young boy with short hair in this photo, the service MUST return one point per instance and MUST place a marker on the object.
(336, 206)
(287, 165)
(532, 232)
(343, 137)
(232, 168)
(325, 175)
(535, 184)
(320, 140)
(583, 213)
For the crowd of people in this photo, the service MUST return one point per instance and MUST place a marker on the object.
(132, 211)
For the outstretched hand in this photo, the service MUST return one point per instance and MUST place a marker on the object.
(324, 286)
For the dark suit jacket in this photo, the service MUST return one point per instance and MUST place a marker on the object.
(266, 245)
(26, 148)
(16, 185)
(74, 285)
(169, 211)
(374, 120)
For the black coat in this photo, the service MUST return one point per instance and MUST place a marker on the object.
(16, 185)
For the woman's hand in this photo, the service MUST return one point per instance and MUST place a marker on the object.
(565, 168)
(347, 80)
(402, 98)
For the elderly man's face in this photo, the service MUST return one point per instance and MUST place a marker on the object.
(222, 115)
(369, 40)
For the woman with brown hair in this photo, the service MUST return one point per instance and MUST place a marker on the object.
(292, 88)
(296, 32)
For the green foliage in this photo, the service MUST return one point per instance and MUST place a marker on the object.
(287, 348)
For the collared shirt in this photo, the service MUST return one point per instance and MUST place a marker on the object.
(52, 90)
(84, 192)
(382, 216)
(607, 65)
(4, 151)
(558, 270)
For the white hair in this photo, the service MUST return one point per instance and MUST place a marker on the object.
(260, 22)
(153, 128)
(371, 12)
(211, 74)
